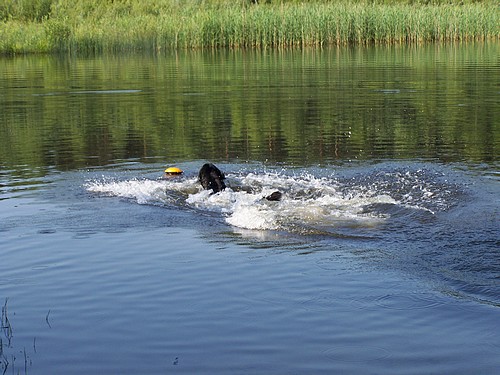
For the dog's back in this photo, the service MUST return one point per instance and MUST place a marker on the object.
(211, 178)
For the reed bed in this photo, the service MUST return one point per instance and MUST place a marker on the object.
(95, 26)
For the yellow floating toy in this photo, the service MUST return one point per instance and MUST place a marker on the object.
(173, 171)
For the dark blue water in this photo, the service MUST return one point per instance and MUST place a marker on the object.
(381, 258)
(400, 275)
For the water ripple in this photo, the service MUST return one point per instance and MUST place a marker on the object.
(357, 353)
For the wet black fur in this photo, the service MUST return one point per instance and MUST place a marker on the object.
(211, 177)
(276, 196)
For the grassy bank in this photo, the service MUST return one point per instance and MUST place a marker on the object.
(95, 25)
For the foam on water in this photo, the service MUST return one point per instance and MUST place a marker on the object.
(308, 202)
(143, 191)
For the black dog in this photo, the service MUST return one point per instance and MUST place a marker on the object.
(211, 177)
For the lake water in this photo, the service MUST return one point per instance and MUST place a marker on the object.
(383, 256)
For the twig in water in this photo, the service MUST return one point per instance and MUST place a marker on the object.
(47, 319)
(6, 326)
(25, 362)
(5, 364)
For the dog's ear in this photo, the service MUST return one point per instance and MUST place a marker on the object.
(216, 179)
(216, 172)
(218, 184)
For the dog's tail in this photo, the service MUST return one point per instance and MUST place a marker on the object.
(275, 196)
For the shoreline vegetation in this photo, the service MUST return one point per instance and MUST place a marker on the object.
(95, 26)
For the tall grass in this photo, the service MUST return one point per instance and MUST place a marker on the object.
(94, 25)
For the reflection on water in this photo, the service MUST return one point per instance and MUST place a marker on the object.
(298, 107)
(381, 256)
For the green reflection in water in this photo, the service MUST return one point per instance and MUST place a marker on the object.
(439, 102)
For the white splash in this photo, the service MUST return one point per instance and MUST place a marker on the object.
(307, 201)
(143, 191)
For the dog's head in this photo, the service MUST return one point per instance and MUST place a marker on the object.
(212, 178)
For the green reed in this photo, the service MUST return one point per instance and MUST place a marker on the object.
(93, 25)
